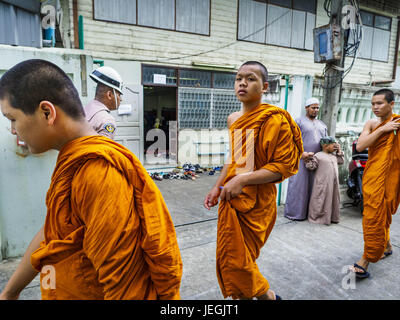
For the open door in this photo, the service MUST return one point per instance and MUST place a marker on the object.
(160, 114)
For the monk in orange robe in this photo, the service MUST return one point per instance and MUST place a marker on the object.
(381, 182)
(108, 233)
(266, 147)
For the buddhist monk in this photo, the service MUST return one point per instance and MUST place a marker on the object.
(265, 149)
(381, 179)
(108, 233)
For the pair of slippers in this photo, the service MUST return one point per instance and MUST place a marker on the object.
(365, 274)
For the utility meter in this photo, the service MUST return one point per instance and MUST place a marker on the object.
(327, 41)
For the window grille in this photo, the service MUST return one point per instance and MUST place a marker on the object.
(205, 108)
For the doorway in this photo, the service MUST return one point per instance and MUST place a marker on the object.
(159, 106)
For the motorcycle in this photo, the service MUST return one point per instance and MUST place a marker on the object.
(356, 169)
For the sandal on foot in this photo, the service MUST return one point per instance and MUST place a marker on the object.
(387, 254)
(361, 275)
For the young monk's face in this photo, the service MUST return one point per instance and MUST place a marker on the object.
(249, 85)
(380, 107)
(27, 127)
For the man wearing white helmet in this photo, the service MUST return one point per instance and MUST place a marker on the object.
(300, 185)
(107, 98)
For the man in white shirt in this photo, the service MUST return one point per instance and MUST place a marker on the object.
(107, 98)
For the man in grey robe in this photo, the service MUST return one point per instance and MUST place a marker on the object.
(300, 185)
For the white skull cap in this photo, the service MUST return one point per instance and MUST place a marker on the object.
(311, 101)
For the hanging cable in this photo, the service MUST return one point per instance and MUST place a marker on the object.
(351, 49)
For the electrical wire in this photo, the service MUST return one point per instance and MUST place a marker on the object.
(327, 7)
(229, 44)
(350, 49)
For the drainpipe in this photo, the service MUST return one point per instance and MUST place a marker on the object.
(80, 30)
(75, 22)
(286, 77)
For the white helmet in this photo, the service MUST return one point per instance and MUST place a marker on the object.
(108, 76)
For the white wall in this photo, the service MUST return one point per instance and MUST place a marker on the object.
(130, 71)
(25, 178)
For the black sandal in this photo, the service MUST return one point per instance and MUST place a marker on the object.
(361, 275)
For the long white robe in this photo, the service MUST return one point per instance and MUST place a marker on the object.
(300, 185)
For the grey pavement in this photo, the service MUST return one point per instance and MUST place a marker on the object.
(301, 260)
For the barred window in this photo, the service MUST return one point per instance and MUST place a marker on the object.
(205, 108)
(150, 75)
(205, 98)
(194, 78)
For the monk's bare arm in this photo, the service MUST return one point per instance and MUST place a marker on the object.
(211, 198)
(368, 137)
(260, 176)
(231, 119)
(222, 176)
(234, 187)
(24, 273)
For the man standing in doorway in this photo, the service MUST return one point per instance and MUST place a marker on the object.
(300, 185)
(107, 98)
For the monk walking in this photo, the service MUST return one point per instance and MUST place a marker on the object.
(108, 233)
(265, 149)
(381, 179)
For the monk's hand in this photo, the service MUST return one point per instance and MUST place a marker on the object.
(232, 188)
(392, 125)
(211, 198)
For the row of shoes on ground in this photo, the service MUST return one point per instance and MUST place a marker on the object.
(198, 169)
(174, 175)
(189, 172)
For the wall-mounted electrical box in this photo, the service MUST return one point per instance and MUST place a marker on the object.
(327, 43)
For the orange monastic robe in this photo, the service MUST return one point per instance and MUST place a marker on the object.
(268, 135)
(381, 191)
(108, 233)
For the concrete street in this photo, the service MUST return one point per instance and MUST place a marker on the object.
(301, 260)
